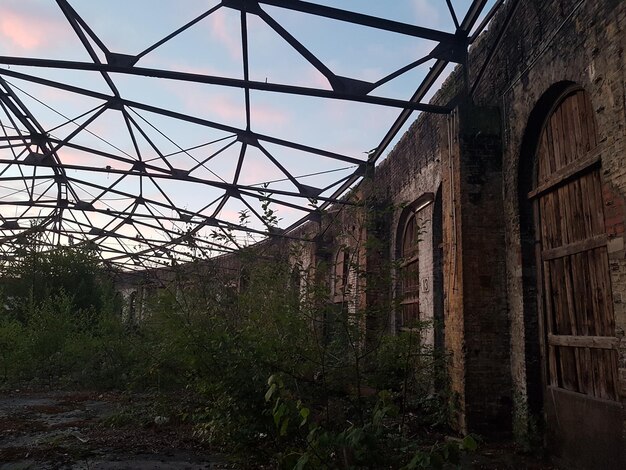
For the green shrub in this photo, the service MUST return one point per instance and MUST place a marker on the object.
(333, 400)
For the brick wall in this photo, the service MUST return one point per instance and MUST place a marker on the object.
(484, 173)
(545, 43)
(486, 326)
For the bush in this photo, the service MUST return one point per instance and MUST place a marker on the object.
(332, 400)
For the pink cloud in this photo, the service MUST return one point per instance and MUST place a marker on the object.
(224, 107)
(227, 107)
(256, 172)
(226, 30)
(178, 65)
(74, 157)
(268, 115)
(70, 156)
(29, 32)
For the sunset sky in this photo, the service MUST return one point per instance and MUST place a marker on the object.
(38, 28)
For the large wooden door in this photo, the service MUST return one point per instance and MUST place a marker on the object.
(576, 307)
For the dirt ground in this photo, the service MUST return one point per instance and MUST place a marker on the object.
(98, 431)
(60, 430)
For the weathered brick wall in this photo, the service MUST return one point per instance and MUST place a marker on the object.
(544, 44)
(488, 379)
(491, 326)
(547, 43)
(476, 320)
(411, 171)
(454, 271)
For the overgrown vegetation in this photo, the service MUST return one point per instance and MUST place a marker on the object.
(262, 366)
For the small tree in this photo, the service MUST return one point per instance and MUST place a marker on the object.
(74, 272)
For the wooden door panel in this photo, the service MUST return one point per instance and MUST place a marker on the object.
(583, 412)
(577, 305)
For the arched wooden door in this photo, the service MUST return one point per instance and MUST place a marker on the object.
(576, 309)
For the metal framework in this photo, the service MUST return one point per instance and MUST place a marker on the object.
(65, 184)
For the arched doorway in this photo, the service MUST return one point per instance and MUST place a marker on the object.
(575, 310)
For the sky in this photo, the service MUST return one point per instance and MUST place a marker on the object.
(213, 46)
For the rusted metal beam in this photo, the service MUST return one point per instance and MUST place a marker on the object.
(222, 81)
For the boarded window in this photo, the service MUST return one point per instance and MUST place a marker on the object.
(341, 274)
(295, 288)
(409, 273)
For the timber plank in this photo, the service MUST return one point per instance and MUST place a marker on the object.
(569, 249)
(576, 341)
(563, 195)
(570, 306)
(577, 128)
(556, 217)
(567, 172)
(550, 324)
(586, 207)
(568, 128)
(563, 325)
(579, 224)
(557, 136)
(580, 309)
(600, 305)
(597, 208)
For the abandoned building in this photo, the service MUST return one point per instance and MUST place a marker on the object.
(518, 197)
(502, 223)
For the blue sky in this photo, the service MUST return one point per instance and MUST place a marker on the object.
(37, 28)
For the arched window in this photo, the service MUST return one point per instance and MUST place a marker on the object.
(295, 288)
(409, 285)
(244, 280)
(341, 274)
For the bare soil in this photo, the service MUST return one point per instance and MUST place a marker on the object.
(92, 430)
